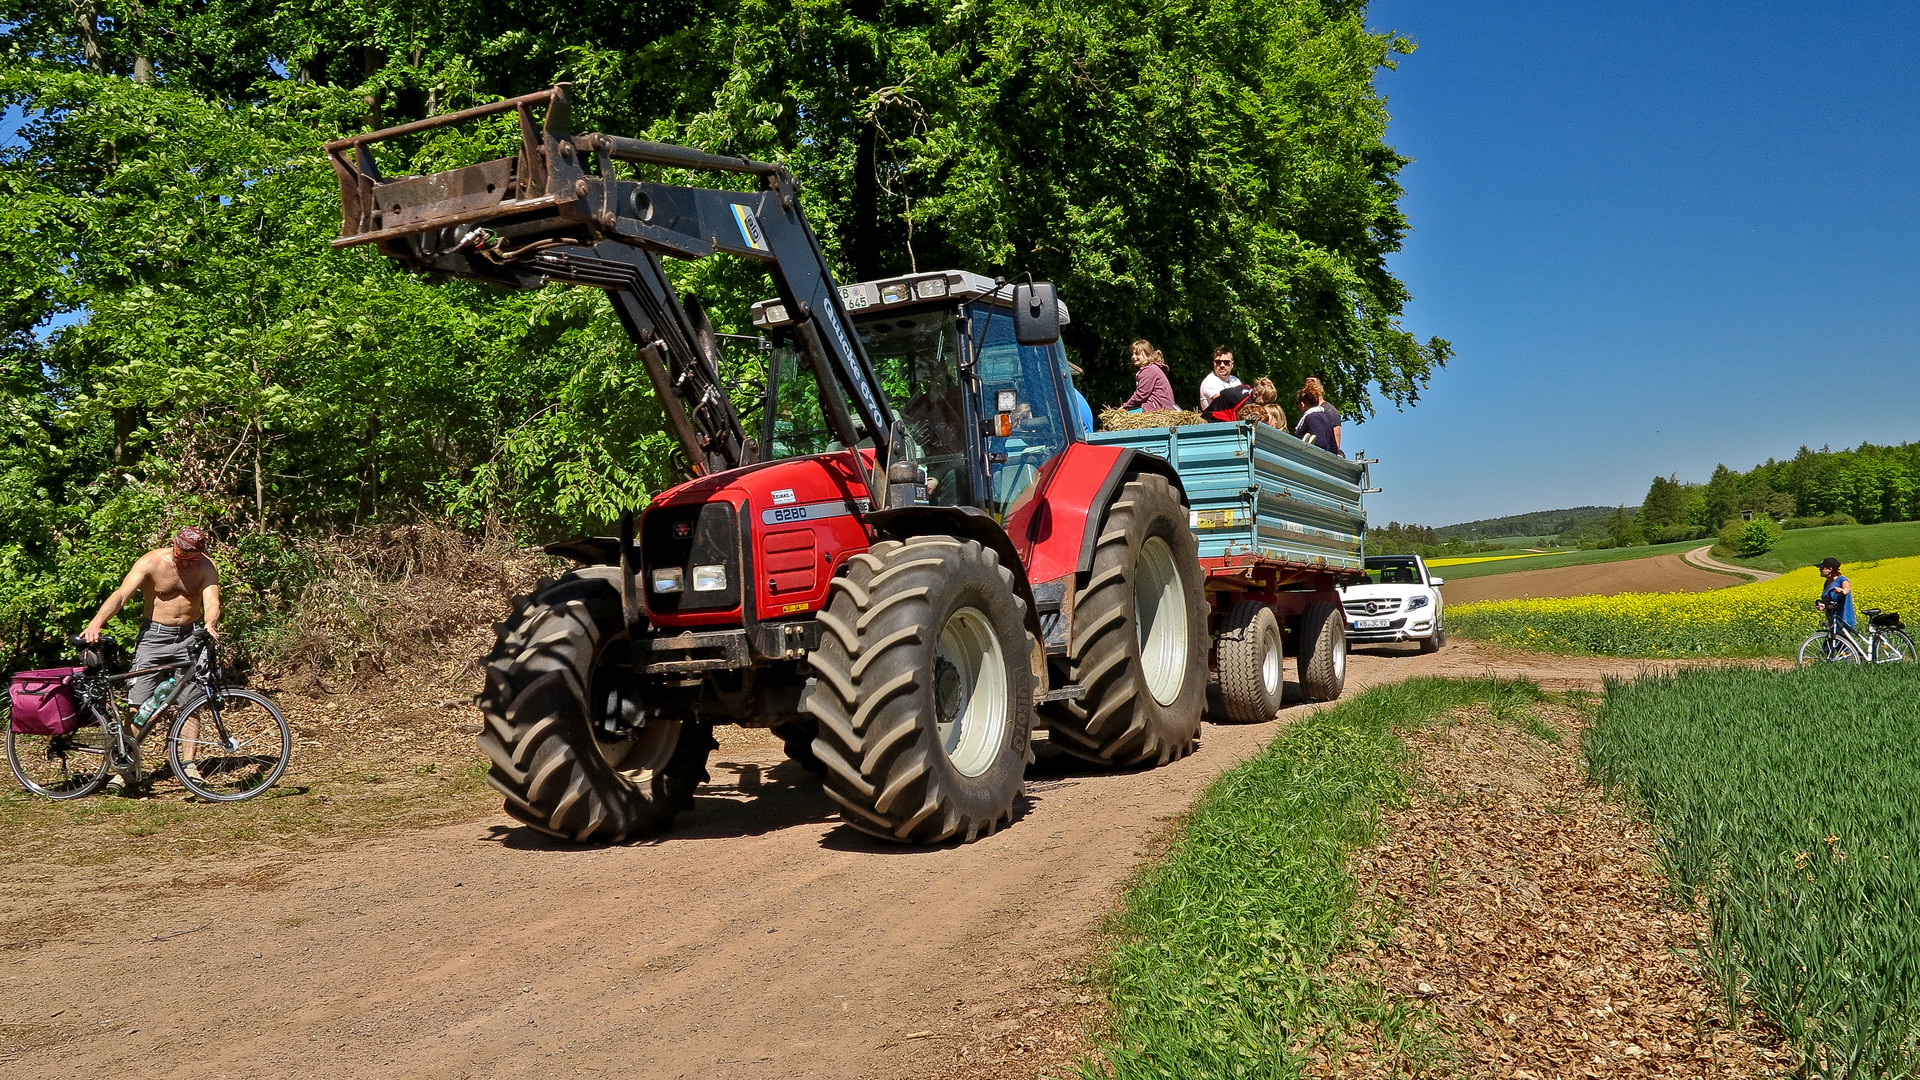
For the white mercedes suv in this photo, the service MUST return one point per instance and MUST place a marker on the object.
(1399, 602)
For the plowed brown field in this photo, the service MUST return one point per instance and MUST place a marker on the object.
(1660, 573)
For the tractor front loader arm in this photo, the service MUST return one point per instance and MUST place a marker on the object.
(542, 215)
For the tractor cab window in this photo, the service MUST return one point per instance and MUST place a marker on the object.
(797, 425)
(1023, 382)
(917, 360)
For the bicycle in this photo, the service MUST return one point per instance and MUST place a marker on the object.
(226, 745)
(1886, 642)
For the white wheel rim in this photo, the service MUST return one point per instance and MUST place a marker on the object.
(1160, 610)
(638, 759)
(1270, 659)
(1339, 651)
(970, 692)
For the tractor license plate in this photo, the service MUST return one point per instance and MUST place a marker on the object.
(1370, 624)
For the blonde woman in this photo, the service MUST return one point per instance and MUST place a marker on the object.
(1152, 390)
(1319, 421)
(1264, 405)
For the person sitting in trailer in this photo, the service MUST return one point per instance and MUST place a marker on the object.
(1152, 390)
(1225, 406)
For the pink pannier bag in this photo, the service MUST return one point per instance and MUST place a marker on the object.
(43, 702)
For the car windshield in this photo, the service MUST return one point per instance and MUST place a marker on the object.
(1393, 573)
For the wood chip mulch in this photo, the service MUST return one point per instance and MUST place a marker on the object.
(1526, 912)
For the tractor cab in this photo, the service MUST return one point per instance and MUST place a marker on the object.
(982, 414)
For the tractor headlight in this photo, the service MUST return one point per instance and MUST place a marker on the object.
(669, 580)
(931, 288)
(711, 578)
(1419, 602)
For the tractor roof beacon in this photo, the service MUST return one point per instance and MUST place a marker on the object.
(912, 559)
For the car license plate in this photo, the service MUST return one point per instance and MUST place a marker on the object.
(1370, 624)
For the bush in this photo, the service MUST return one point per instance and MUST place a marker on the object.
(1673, 534)
(1819, 522)
(1750, 538)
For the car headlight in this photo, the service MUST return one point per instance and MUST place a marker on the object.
(671, 580)
(1416, 602)
(711, 578)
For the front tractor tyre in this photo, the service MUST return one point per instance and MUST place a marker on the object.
(1323, 652)
(550, 680)
(923, 694)
(1251, 663)
(1139, 639)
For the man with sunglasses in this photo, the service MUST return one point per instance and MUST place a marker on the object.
(181, 587)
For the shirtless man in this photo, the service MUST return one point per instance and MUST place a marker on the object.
(181, 587)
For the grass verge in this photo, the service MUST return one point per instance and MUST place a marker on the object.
(302, 809)
(1848, 543)
(1785, 800)
(1215, 969)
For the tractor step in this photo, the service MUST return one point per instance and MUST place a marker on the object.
(1070, 692)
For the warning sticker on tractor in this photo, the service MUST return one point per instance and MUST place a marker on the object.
(1213, 519)
(791, 608)
(750, 230)
(783, 497)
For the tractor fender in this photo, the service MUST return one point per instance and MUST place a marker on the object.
(1062, 526)
(966, 523)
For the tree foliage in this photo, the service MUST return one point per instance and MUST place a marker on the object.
(181, 343)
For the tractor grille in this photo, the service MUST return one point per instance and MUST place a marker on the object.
(686, 537)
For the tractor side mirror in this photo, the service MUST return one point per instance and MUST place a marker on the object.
(1036, 313)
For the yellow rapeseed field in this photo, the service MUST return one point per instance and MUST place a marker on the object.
(1768, 618)
(1487, 558)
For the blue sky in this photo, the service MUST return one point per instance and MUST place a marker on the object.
(1659, 236)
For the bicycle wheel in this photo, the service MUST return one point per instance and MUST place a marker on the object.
(231, 748)
(1828, 648)
(1895, 648)
(57, 766)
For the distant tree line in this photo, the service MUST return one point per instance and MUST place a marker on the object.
(1865, 485)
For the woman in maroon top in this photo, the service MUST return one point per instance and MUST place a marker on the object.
(1152, 390)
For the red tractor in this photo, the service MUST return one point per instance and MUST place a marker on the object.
(909, 563)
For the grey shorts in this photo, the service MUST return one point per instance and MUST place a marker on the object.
(158, 644)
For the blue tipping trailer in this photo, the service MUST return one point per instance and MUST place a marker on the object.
(1281, 526)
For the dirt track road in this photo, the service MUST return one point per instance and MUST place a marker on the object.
(760, 939)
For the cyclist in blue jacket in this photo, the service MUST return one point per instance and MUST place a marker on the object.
(1836, 599)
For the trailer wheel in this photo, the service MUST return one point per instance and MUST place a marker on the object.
(558, 769)
(1323, 652)
(924, 694)
(1251, 663)
(1139, 640)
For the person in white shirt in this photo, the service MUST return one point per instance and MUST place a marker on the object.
(1221, 378)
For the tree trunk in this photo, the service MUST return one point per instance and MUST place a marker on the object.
(125, 419)
(86, 19)
(866, 208)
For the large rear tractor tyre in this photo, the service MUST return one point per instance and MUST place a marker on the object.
(1252, 663)
(548, 683)
(924, 694)
(1323, 652)
(1139, 643)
